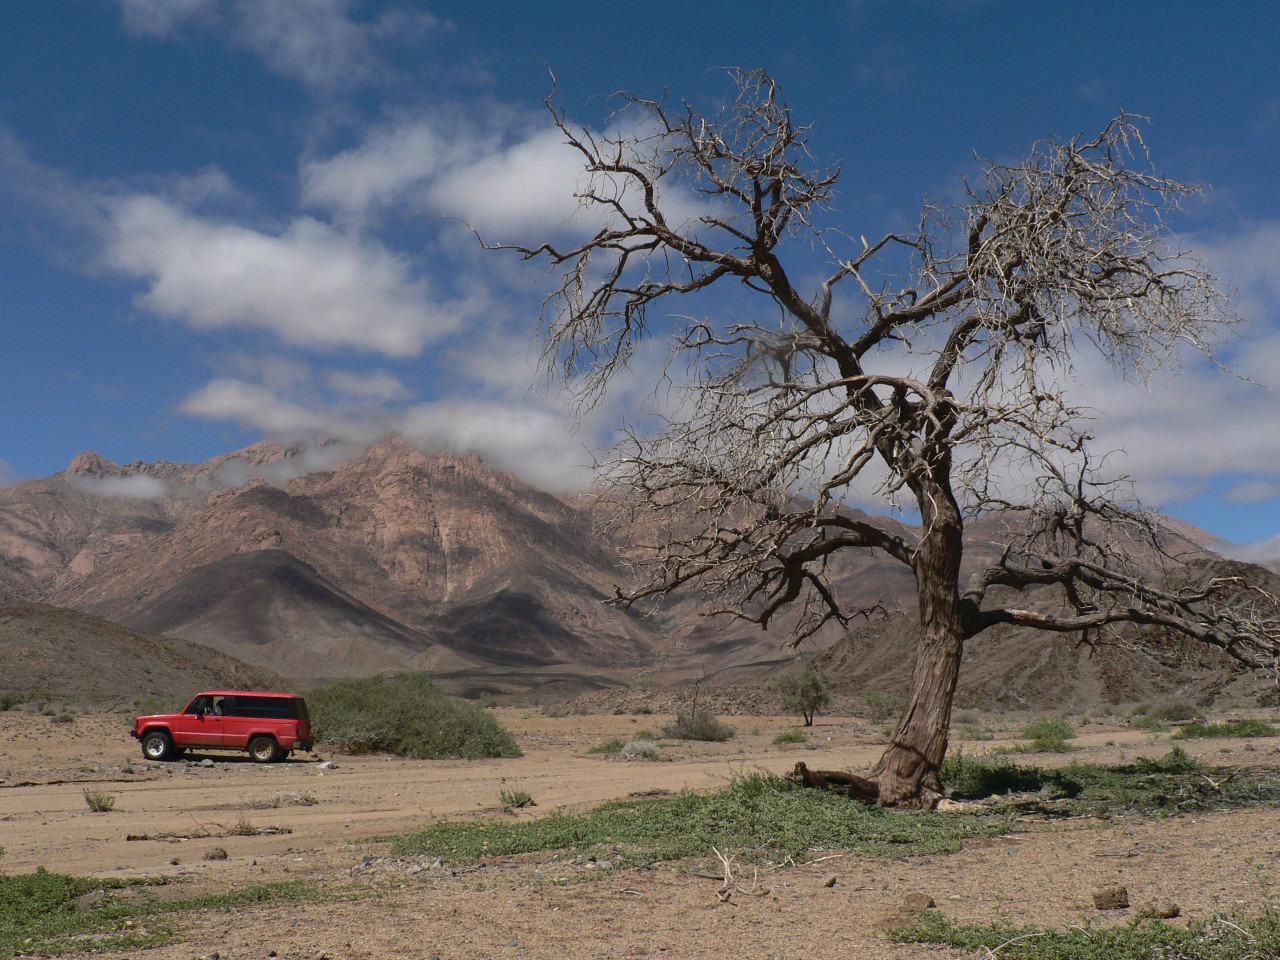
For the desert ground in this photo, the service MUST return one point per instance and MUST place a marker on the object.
(551, 906)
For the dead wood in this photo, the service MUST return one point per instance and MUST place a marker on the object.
(849, 784)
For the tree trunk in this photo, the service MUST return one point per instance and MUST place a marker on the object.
(908, 771)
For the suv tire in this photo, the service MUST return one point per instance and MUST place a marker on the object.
(157, 745)
(264, 750)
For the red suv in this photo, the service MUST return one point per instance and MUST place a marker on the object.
(269, 725)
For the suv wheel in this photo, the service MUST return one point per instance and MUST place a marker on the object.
(263, 750)
(157, 745)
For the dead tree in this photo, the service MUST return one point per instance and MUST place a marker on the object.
(932, 368)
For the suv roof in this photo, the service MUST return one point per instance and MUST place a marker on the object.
(246, 693)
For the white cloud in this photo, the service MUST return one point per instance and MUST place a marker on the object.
(378, 386)
(138, 486)
(506, 174)
(496, 180)
(537, 444)
(316, 42)
(1253, 491)
(310, 285)
(313, 458)
(256, 407)
(161, 18)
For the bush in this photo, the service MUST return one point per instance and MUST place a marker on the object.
(408, 715)
(1174, 708)
(881, 705)
(804, 692)
(1049, 735)
(610, 746)
(1228, 728)
(791, 736)
(641, 750)
(1148, 722)
(98, 801)
(698, 725)
(515, 798)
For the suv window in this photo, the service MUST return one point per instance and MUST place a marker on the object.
(274, 708)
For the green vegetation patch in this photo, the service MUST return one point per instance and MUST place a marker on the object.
(791, 736)
(54, 913)
(611, 746)
(1047, 735)
(698, 725)
(409, 715)
(1217, 938)
(1173, 783)
(766, 815)
(1197, 729)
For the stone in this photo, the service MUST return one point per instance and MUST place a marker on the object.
(1111, 898)
(206, 762)
(916, 902)
(1162, 908)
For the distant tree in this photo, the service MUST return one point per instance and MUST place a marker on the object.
(804, 692)
(933, 367)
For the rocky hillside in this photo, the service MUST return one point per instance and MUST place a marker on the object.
(400, 559)
(84, 659)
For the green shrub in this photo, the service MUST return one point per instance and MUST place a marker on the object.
(98, 801)
(610, 746)
(1048, 735)
(1148, 722)
(972, 731)
(41, 915)
(698, 725)
(804, 692)
(408, 715)
(1174, 708)
(881, 705)
(757, 812)
(1215, 938)
(515, 798)
(791, 736)
(1197, 729)
(641, 750)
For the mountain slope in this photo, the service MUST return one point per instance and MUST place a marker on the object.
(84, 658)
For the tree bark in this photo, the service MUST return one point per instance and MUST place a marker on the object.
(908, 771)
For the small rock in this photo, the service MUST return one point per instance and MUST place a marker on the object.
(916, 902)
(175, 861)
(206, 762)
(326, 765)
(830, 881)
(1162, 908)
(1111, 898)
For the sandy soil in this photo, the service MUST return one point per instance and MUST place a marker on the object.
(834, 906)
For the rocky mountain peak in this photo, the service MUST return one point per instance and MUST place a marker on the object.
(91, 464)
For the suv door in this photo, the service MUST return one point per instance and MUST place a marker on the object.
(201, 724)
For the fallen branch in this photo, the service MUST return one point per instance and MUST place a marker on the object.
(849, 784)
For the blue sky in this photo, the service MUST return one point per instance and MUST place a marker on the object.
(221, 219)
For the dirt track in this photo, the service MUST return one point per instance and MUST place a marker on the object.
(514, 908)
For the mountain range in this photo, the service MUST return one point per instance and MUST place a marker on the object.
(395, 558)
